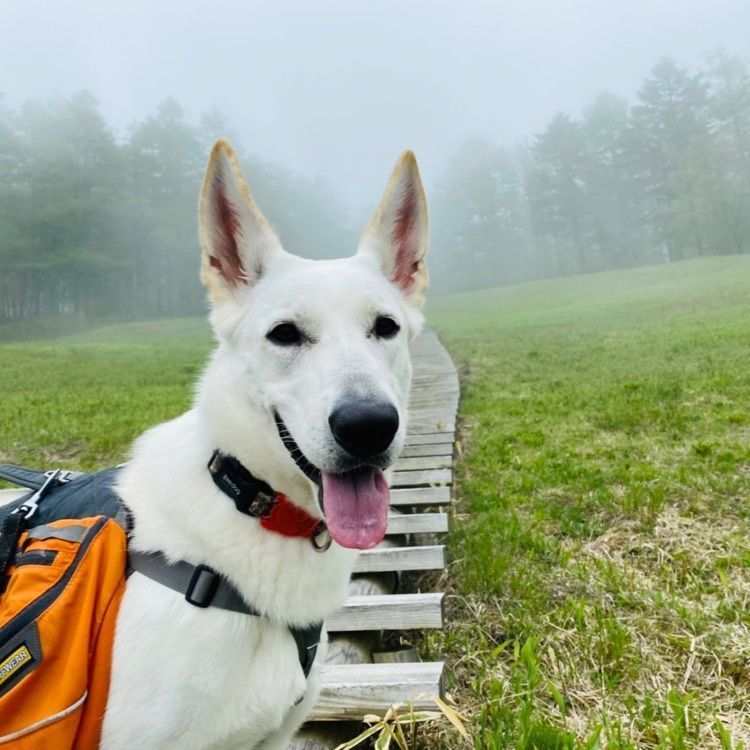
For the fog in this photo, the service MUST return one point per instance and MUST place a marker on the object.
(338, 89)
(530, 170)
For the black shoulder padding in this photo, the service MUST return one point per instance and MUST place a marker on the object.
(82, 497)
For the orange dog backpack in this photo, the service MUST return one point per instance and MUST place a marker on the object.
(60, 593)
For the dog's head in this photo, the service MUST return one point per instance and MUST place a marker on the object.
(324, 344)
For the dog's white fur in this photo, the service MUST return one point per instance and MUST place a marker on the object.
(185, 677)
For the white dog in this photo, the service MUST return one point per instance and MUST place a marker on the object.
(308, 389)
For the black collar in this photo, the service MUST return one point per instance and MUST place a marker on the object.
(255, 498)
(251, 496)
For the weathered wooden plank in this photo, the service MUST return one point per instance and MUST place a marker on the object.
(443, 379)
(433, 413)
(438, 377)
(394, 612)
(436, 412)
(413, 463)
(430, 355)
(439, 449)
(430, 438)
(431, 369)
(426, 389)
(427, 478)
(442, 422)
(434, 395)
(435, 449)
(433, 372)
(428, 426)
(434, 405)
(442, 386)
(350, 691)
(440, 402)
(383, 559)
(441, 416)
(417, 523)
(420, 496)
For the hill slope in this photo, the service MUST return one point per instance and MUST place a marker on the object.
(603, 547)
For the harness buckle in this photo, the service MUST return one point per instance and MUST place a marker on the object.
(30, 506)
(63, 475)
(203, 586)
(262, 505)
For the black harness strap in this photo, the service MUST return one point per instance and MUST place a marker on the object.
(201, 585)
(33, 479)
(10, 532)
(307, 640)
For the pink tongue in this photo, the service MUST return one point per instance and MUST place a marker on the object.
(356, 507)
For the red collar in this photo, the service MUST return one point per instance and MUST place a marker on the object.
(255, 498)
(290, 520)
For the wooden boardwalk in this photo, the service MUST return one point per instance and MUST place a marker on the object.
(421, 488)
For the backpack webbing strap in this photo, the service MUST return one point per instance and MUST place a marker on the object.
(23, 477)
(11, 530)
(31, 478)
(204, 587)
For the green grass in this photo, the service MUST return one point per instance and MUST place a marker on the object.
(78, 401)
(602, 546)
(600, 575)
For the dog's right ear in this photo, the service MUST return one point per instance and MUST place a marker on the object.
(236, 239)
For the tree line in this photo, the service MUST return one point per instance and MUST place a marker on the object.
(664, 178)
(99, 226)
(96, 224)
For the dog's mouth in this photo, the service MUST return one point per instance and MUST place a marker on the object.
(355, 502)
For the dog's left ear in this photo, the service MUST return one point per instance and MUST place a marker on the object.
(236, 239)
(397, 232)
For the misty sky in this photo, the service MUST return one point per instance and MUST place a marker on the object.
(339, 88)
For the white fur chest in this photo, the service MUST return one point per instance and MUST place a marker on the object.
(198, 678)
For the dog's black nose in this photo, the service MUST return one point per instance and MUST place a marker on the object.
(364, 427)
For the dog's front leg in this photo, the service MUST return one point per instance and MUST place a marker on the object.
(282, 737)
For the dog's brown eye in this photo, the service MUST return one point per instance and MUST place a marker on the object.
(285, 334)
(385, 327)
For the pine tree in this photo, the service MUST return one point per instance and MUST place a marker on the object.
(669, 129)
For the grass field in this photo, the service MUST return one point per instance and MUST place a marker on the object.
(601, 547)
